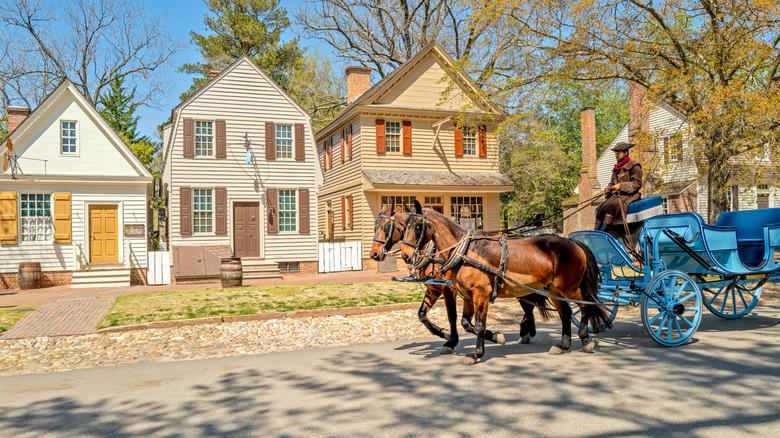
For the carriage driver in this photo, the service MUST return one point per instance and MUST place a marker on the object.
(624, 187)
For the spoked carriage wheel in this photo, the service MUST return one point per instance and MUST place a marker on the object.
(733, 301)
(611, 307)
(671, 308)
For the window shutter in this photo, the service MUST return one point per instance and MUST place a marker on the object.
(680, 150)
(185, 211)
(8, 218)
(343, 212)
(189, 149)
(330, 153)
(300, 136)
(666, 150)
(380, 136)
(343, 143)
(482, 141)
(220, 197)
(735, 197)
(458, 141)
(271, 197)
(221, 139)
(351, 213)
(349, 140)
(407, 134)
(303, 212)
(270, 141)
(62, 218)
(324, 155)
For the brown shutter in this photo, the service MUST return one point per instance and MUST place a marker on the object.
(270, 141)
(324, 155)
(380, 136)
(458, 141)
(351, 212)
(220, 196)
(303, 211)
(680, 150)
(666, 150)
(330, 153)
(189, 148)
(407, 134)
(482, 141)
(221, 139)
(344, 212)
(185, 211)
(349, 140)
(271, 197)
(343, 143)
(300, 150)
(735, 197)
(62, 218)
(8, 213)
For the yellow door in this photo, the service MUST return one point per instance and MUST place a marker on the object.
(103, 233)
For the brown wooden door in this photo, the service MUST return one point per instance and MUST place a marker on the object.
(762, 200)
(246, 229)
(103, 233)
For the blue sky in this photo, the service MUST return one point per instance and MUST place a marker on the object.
(185, 16)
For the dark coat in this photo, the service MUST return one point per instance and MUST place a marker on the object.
(630, 178)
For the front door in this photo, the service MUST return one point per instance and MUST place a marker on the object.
(103, 233)
(246, 229)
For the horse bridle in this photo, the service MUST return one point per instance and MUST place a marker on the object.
(388, 230)
(419, 227)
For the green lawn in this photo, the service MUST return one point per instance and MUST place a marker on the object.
(11, 315)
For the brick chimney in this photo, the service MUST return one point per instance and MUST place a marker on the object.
(638, 118)
(646, 152)
(588, 178)
(213, 73)
(358, 81)
(16, 115)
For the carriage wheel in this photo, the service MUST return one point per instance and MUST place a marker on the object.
(671, 308)
(733, 301)
(612, 309)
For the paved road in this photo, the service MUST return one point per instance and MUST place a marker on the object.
(725, 383)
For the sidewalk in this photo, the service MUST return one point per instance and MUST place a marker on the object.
(66, 311)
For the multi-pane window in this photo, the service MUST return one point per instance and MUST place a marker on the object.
(36, 217)
(202, 210)
(204, 138)
(435, 203)
(393, 136)
(467, 211)
(665, 204)
(673, 148)
(284, 141)
(401, 202)
(287, 210)
(469, 140)
(68, 137)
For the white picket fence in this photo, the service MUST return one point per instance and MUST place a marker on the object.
(158, 270)
(340, 256)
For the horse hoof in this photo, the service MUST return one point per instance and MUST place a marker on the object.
(555, 350)
(468, 360)
(590, 347)
(525, 339)
(500, 339)
(447, 350)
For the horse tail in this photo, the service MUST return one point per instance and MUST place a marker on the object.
(589, 288)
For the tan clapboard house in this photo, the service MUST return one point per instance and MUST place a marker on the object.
(241, 176)
(421, 133)
(73, 197)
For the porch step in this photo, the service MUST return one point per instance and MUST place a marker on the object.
(256, 269)
(100, 277)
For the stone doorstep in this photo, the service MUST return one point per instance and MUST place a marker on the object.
(262, 317)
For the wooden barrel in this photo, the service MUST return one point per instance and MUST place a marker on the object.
(231, 273)
(29, 275)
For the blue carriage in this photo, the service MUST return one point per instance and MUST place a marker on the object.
(689, 265)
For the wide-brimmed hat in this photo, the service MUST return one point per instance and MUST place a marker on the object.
(623, 146)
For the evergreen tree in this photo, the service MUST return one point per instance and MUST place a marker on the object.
(118, 107)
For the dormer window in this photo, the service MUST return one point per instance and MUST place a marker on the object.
(204, 138)
(68, 142)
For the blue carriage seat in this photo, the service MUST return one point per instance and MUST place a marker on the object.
(687, 225)
(749, 225)
(642, 209)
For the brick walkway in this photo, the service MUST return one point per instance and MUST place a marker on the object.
(69, 316)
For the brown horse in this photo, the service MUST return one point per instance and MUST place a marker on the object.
(388, 230)
(562, 267)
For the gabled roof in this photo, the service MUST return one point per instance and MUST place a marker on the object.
(66, 86)
(392, 78)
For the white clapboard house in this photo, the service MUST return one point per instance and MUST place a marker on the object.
(241, 175)
(73, 196)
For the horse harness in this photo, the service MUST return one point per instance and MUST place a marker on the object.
(388, 230)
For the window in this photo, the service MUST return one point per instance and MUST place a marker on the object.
(287, 210)
(202, 211)
(68, 137)
(467, 211)
(289, 267)
(284, 142)
(204, 139)
(673, 148)
(469, 140)
(393, 136)
(665, 204)
(36, 217)
(401, 202)
(435, 203)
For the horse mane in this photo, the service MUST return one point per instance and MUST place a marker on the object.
(487, 248)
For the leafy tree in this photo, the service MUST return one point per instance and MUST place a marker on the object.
(118, 108)
(319, 89)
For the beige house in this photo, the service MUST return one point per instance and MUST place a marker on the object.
(421, 133)
(240, 173)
